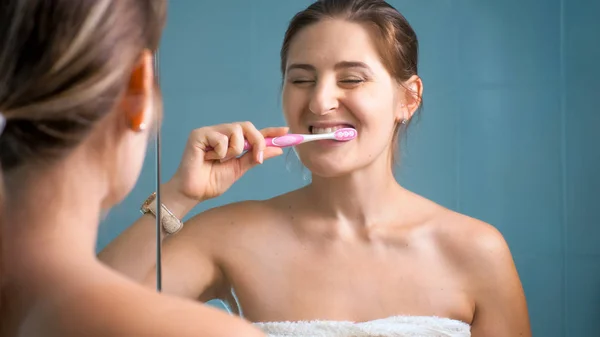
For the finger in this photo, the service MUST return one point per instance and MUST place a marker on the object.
(256, 139)
(271, 152)
(236, 141)
(218, 142)
(275, 131)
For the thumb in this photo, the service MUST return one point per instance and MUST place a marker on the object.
(248, 161)
(271, 152)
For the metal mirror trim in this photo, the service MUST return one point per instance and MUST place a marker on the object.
(157, 124)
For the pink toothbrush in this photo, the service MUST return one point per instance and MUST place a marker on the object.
(341, 135)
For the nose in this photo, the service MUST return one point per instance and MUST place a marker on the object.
(324, 99)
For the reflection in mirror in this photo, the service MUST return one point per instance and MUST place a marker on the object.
(453, 219)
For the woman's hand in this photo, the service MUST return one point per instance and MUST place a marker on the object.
(210, 163)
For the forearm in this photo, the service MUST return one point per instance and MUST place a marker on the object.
(133, 252)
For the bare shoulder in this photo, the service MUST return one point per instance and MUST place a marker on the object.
(232, 219)
(457, 235)
(474, 244)
(247, 209)
(480, 256)
(475, 249)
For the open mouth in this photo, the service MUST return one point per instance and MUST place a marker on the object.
(319, 130)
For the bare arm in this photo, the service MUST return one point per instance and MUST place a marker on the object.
(133, 252)
(500, 305)
(189, 268)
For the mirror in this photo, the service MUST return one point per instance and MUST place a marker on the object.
(505, 135)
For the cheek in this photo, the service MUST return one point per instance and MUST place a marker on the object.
(131, 160)
(293, 103)
(373, 112)
(376, 122)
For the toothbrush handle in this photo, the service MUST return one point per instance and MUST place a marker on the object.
(248, 146)
(281, 141)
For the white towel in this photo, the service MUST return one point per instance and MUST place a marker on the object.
(396, 326)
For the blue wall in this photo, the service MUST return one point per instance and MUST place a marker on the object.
(581, 164)
(507, 133)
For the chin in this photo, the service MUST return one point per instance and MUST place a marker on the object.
(116, 196)
(329, 167)
(120, 186)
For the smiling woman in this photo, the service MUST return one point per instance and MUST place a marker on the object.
(335, 73)
(388, 32)
(352, 246)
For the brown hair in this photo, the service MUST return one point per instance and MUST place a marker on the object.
(63, 66)
(395, 39)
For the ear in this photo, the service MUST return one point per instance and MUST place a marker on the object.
(411, 93)
(137, 100)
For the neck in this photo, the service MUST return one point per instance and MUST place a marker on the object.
(50, 219)
(48, 231)
(361, 198)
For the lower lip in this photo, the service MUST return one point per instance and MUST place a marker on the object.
(330, 143)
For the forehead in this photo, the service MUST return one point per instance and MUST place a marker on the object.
(330, 41)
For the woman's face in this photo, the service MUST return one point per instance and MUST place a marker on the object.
(334, 79)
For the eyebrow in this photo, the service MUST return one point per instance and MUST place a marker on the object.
(339, 65)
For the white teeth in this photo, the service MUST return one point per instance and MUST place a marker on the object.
(316, 130)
